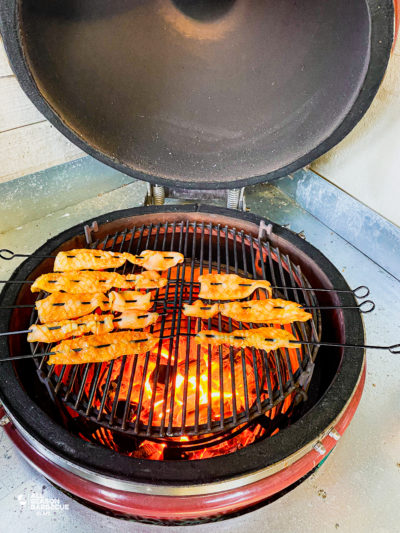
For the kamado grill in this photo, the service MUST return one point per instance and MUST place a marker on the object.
(190, 432)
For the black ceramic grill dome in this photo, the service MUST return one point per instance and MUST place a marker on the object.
(198, 95)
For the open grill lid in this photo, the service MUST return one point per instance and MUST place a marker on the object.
(198, 93)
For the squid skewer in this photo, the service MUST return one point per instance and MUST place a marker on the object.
(57, 331)
(91, 281)
(77, 305)
(394, 348)
(121, 301)
(101, 348)
(277, 338)
(260, 338)
(256, 311)
(83, 259)
(229, 287)
(63, 306)
(96, 324)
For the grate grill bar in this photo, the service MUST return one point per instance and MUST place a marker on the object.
(139, 407)
(187, 351)
(182, 389)
(157, 367)
(178, 331)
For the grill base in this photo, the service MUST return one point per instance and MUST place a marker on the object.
(206, 507)
(190, 521)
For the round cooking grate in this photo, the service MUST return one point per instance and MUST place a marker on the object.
(180, 389)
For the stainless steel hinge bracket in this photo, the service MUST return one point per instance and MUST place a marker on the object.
(89, 230)
(235, 199)
(264, 231)
(231, 198)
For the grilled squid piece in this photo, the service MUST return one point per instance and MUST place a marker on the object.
(153, 260)
(134, 319)
(89, 259)
(121, 301)
(100, 348)
(200, 310)
(89, 281)
(275, 310)
(62, 306)
(261, 338)
(149, 279)
(92, 259)
(229, 286)
(94, 323)
(57, 331)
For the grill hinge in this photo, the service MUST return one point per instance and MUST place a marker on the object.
(231, 198)
(235, 199)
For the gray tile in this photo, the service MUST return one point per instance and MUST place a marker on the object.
(34, 196)
(368, 231)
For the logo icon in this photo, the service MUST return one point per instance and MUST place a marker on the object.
(22, 500)
(40, 504)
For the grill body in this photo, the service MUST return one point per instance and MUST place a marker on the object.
(181, 509)
(198, 96)
(339, 385)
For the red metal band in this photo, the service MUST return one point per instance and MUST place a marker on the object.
(183, 507)
(397, 20)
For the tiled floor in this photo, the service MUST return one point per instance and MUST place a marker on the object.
(358, 487)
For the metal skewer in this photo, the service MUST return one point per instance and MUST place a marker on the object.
(23, 306)
(394, 348)
(359, 292)
(32, 356)
(70, 280)
(367, 306)
(51, 328)
(7, 255)
(362, 307)
(55, 281)
(363, 288)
